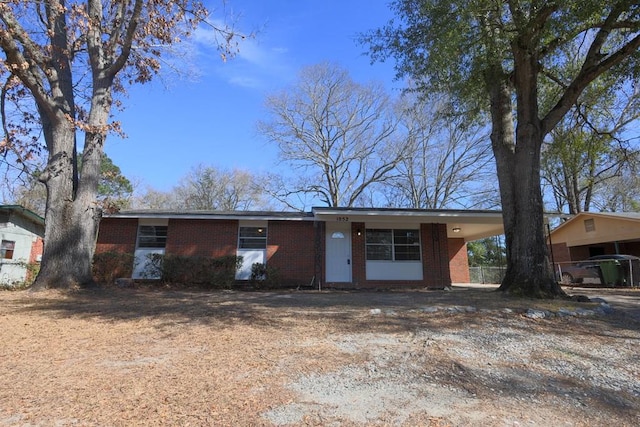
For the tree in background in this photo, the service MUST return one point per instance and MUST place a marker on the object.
(590, 149)
(497, 55)
(210, 188)
(487, 252)
(446, 157)
(72, 59)
(622, 193)
(114, 189)
(29, 193)
(150, 198)
(340, 135)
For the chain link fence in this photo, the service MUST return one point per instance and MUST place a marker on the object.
(487, 275)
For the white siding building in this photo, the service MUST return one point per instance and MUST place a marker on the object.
(21, 234)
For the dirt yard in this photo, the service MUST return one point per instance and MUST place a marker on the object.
(466, 357)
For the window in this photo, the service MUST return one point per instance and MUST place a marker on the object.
(6, 249)
(152, 236)
(393, 245)
(252, 238)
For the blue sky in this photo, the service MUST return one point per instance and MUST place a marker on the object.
(174, 124)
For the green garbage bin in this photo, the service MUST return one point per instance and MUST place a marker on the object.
(611, 273)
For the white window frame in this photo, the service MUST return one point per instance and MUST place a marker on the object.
(260, 237)
(393, 244)
(158, 238)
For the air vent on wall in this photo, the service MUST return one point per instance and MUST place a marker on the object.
(589, 225)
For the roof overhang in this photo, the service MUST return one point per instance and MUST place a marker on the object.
(465, 224)
(219, 215)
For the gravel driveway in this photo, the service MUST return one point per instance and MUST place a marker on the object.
(461, 357)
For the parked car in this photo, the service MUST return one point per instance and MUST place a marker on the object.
(624, 270)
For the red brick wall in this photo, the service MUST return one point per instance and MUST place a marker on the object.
(579, 253)
(358, 256)
(458, 261)
(291, 249)
(205, 238)
(435, 255)
(294, 248)
(560, 252)
(117, 235)
(36, 250)
(320, 247)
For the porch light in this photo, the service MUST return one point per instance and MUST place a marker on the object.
(359, 232)
(457, 229)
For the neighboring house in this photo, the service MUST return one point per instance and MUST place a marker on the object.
(590, 234)
(339, 247)
(21, 234)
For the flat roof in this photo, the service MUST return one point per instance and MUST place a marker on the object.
(210, 214)
(465, 224)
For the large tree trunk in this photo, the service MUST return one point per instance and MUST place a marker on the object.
(529, 272)
(72, 216)
(70, 222)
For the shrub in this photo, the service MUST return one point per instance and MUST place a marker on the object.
(108, 266)
(263, 275)
(203, 272)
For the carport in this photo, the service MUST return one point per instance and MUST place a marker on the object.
(590, 234)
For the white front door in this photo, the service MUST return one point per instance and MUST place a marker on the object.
(338, 252)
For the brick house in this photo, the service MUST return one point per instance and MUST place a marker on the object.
(338, 247)
(21, 234)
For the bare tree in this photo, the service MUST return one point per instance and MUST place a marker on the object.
(621, 193)
(338, 134)
(210, 188)
(590, 148)
(150, 198)
(448, 156)
(73, 59)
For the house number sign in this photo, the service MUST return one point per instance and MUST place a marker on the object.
(342, 219)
